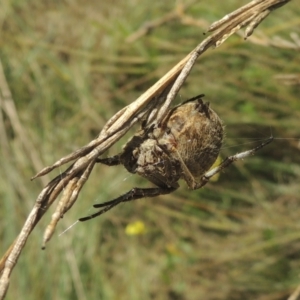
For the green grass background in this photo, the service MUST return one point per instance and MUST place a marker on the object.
(69, 68)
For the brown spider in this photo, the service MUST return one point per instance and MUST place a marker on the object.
(184, 146)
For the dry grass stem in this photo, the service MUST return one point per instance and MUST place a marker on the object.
(7, 105)
(147, 27)
(150, 107)
(295, 295)
(289, 79)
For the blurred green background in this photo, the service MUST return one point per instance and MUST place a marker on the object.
(70, 65)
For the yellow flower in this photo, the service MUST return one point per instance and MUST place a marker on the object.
(135, 228)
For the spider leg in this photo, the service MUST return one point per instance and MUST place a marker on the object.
(109, 161)
(133, 194)
(228, 161)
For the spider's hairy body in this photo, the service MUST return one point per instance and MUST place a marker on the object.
(190, 139)
(183, 146)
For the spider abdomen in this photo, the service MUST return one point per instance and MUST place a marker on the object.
(197, 133)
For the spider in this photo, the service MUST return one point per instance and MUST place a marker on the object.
(183, 146)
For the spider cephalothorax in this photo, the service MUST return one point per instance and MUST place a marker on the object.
(183, 146)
